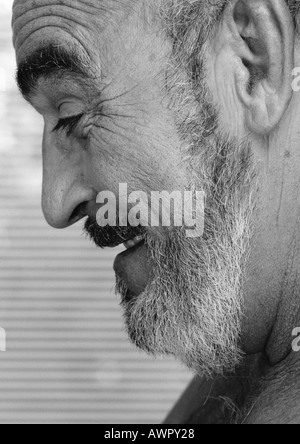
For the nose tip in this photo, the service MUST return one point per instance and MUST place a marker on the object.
(62, 213)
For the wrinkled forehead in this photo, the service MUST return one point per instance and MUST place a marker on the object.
(75, 23)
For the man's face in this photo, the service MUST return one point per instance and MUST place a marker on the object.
(119, 107)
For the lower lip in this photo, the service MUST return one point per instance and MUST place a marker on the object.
(134, 268)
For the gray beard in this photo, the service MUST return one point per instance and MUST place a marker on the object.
(193, 307)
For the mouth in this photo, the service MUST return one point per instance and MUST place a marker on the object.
(133, 242)
(132, 266)
(111, 237)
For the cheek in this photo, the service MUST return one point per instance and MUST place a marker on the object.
(141, 162)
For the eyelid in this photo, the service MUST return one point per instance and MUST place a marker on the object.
(68, 123)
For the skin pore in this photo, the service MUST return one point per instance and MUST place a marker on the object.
(226, 123)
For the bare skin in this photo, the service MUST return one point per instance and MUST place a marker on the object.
(125, 51)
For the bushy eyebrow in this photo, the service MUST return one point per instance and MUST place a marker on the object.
(49, 61)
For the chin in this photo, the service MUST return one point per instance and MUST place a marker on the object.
(162, 323)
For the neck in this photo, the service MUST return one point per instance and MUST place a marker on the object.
(288, 313)
(272, 288)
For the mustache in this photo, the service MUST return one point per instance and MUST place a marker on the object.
(111, 237)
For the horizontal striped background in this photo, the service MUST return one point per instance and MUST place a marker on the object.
(68, 359)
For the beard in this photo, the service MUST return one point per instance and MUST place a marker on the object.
(193, 307)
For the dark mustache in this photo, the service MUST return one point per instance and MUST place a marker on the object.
(110, 236)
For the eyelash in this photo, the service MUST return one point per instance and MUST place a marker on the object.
(68, 124)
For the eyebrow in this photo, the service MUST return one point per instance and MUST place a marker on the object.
(46, 62)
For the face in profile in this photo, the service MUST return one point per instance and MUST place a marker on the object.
(127, 95)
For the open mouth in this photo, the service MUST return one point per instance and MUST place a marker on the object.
(132, 266)
(111, 237)
(133, 242)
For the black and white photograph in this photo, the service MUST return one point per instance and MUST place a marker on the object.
(149, 214)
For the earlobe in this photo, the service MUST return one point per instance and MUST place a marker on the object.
(263, 33)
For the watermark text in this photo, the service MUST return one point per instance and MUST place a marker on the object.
(161, 208)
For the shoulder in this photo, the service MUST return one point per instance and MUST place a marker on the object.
(278, 401)
(255, 395)
(218, 400)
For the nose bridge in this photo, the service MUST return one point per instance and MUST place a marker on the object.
(63, 187)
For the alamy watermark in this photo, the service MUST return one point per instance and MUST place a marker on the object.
(296, 341)
(296, 81)
(161, 208)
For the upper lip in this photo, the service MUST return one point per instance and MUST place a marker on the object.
(112, 236)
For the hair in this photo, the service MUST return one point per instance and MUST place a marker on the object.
(294, 7)
(191, 23)
(197, 18)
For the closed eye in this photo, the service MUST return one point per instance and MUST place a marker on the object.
(68, 124)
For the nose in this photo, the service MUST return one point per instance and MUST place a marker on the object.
(66, 198)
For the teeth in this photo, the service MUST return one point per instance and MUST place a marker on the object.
(133, 242)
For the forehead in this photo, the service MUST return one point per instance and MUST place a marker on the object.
(76, 23)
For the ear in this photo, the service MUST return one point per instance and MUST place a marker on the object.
(262, 35)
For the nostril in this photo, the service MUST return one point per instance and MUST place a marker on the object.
(79, 212)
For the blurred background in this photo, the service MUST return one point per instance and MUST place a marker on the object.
(68, 359)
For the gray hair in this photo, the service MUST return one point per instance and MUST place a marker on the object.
(189, 19)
